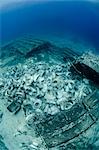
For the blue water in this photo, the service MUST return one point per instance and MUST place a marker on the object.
(56, 18)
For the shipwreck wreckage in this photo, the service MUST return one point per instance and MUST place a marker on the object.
(63, 127)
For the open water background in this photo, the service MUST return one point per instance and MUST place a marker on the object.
(55, 18)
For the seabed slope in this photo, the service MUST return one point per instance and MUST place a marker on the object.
(43, 104)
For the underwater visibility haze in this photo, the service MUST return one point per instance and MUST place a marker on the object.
(57, 18)
(49, 75)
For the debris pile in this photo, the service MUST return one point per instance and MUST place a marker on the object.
(52, 100)
(42, 87)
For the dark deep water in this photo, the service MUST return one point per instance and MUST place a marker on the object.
(54, 18)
